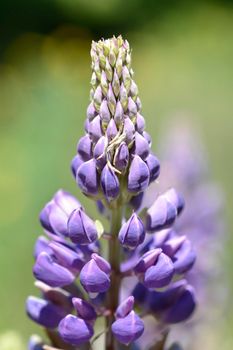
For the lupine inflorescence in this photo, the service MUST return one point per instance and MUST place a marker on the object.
(142, 277)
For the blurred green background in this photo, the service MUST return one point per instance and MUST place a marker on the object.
(183, 61)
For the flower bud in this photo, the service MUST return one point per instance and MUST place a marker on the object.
(141, 147)
(119, 113)
(160, 274)
(109, 183)
(132, 108)
(84, 147)
(128, 329)
(44, 312)
(138, 178)
(132, 233)
(140, 123)
(147, 260)
(53, 274)
(111, 130)
(147, 137)
(74, 330)
(121, 157)
(100, 152)
(91, 112)
(129, 130)
(84, 309)
(54, 215)
(81, 229)
(160, 215)
(105, 115)
(95, 129)
(93, 278)
(97, 98)
(87, 177)
(125, 307)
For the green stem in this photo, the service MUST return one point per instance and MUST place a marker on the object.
(114, 260)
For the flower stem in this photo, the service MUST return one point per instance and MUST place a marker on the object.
(114, 260)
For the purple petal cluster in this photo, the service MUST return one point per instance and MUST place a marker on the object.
(80, 276)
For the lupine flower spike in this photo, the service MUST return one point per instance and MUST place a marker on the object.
(141, 276)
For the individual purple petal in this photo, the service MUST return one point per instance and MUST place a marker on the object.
(104, 113)
(147, 260)
(93, 279)
(74, 330)
(87, 177)
(140, 123)
(53, 274)
(75, 164)
(42, 245)
(154, 166)
(160, 274)
(91, 112)
(84, 309)
(132, 233)
(102, 263)
(184, 258)
(84, 147)
(141, 147)
(44, 312)
(95, 129)
(138, 178)
(160, 215)
(67, 257)
(119, 113)
(128, 329)
(182, 308)
(121, 158)
(100, 152)
(81, 229)
(176, 199)
(125, 307)
(109, 183)
(111, 130)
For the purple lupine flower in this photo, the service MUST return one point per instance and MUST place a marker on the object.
(94, 276)
(75, 330)
(81, 229)
(44, 312)
(35, 343)
(47, 270)
(128, 328)
(132, 233)
(55, 214)
(144, 258)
